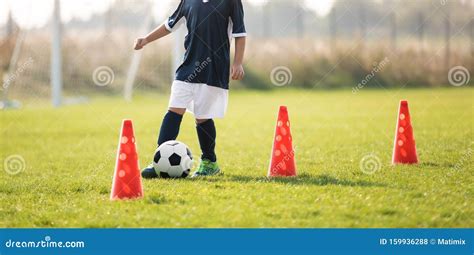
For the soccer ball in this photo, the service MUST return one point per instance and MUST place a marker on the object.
(173, 159)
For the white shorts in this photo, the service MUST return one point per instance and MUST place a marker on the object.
(204, 101)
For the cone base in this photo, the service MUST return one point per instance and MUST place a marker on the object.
(405, 163)
(282, 176)
(116, 198)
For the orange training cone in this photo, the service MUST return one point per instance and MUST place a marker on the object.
(282, 162)
(127, 183)
(404, 149)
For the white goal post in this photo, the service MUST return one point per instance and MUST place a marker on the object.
(56, 56)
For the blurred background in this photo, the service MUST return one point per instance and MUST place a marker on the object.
(66, 51)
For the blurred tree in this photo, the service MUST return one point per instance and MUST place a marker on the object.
(447, 38)
(266, 14)
(421, 29)
(300, 16)
(356, 15)
(333, 27)
(10, 24)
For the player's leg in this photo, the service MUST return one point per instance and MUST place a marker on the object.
(209, 103)
(169, 131)
(181, 96)
(206, 131)
(171, 123)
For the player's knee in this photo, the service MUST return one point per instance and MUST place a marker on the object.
(200, 121)
(180, 111)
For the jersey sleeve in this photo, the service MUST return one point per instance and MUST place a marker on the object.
(175, 20)
(237, 17)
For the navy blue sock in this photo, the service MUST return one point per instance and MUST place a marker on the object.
(207, 139)
(170, 127)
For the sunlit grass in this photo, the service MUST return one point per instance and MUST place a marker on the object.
(69, 156)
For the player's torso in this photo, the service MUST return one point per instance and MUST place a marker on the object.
(207, 41)
(207, 12)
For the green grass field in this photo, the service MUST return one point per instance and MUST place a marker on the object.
(69, 156)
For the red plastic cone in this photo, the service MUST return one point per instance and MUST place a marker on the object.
(404, 149)
(282, 162)
(127, 183)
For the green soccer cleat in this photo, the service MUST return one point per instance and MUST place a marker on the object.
(206, 168)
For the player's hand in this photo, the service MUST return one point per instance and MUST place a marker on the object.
(237, 72)
(140, 43)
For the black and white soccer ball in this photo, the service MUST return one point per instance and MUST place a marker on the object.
(173, 159)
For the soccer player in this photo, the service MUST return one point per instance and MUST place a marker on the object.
(201, 84)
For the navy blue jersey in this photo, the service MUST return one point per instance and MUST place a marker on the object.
(211, 25)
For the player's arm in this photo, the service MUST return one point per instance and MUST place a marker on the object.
(167, 28)
(239, 33)
(156, 34)
(237, 71)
